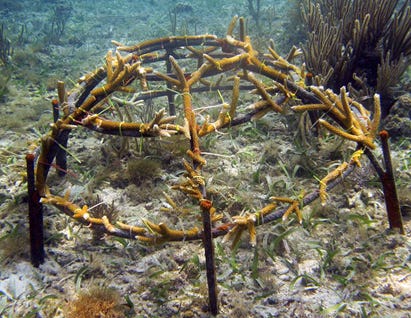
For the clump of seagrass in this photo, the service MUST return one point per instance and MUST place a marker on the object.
(96, 302)
(13, 244)
(140, 170)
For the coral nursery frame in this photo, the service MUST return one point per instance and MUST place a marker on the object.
(216, 64)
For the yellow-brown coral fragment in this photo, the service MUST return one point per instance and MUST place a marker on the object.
(253, 233)
(174, 207)
(231, 26)
(167, 78)
(335, 100)
(163, 42)
(66, 206)
(109, 125)
(213, 61)
(170, 201)
(259, 215)
(159, 126)
(109, 65)
(329, 177)
(242, 222)
(357, 138)
(283, 63)
(169, 234)
(261, 89)
(199, 52)
(327, 102)
(294, 207)
(109, 227)
(83, 109)
(260, 114)
(179, 72)
(67, 195)
(234, 234)
(309, 107)
(224, 118)
(61, 92)
(94, 221)
(206, 127)
(69, 208)
(119, 67)
(347, 111)
(194, 174)
(214, 216)
(375, 124)
(191, 191)
(235, 96)
(81, 213)
(339, 107)
(362, 120)
(259, 105)
(292, 54)
(132, 229)
(356, 156)
(116, 77)
(150, 240)
(159, 118)
(196, 75)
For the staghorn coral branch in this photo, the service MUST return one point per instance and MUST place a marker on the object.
(309, 107)
(263, 92)
(339, 108)
(168, 234)
(182, 83)
(375, 123)
(329, 177)
(226, 114)
(242, 223)
(294, 207)
(170, 42)
(357, 138)
(135, 230)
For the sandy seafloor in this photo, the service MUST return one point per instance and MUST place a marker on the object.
(341, 262)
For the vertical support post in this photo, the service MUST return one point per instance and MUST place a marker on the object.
(209, 256)
(35, 216)
(389, 188)
(170, 95)
(56, 109)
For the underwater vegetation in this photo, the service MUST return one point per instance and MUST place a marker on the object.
(85, 106)
(364, 45)
(59, 17)
(96, 302)
(6, 50)
(4, 80)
